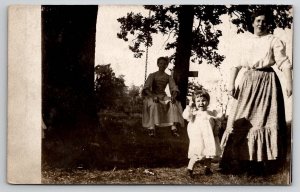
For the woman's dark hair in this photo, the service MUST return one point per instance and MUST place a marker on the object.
(263, 11)
(163, 58)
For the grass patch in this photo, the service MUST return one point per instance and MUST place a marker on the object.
(162, 175)
(120, 152)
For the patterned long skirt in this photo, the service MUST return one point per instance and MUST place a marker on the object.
(256, 127)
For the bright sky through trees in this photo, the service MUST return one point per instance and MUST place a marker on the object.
(110, 49)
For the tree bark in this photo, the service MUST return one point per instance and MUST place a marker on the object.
(183, 50)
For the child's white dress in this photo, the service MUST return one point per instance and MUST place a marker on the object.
(203, 141)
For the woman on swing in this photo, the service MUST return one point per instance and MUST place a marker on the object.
(159, 109)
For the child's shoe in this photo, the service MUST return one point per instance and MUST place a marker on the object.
(190, 173)
(175, 133)
(151, 132)
(207, 171)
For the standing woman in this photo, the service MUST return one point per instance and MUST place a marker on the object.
(256, 129)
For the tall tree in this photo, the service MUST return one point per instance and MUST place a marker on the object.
(193, 30)
(68, 52)
(68, 105)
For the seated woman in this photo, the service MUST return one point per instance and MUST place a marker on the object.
(159, 109)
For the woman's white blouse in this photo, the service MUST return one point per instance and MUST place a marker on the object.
(263, 52)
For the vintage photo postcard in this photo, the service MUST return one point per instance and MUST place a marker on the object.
(154, 94)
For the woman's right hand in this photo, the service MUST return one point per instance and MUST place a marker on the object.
(231, 82)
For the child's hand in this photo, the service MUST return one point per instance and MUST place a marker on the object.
(190, 101)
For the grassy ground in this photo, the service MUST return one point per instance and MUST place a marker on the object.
(163, 175)
(120, 152)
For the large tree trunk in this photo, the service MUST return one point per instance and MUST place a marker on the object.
(68, 53)
(183, 50)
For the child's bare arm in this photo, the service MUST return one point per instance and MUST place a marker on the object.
(188, 113)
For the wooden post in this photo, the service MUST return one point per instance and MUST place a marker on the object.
(193, 73)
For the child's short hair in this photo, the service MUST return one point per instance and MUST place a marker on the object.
(202, 94)
(163, 58)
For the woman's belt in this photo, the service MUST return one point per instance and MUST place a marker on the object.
(266, 69)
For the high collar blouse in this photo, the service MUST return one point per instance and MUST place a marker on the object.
(262, 52)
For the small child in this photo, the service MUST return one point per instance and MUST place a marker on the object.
(202, 132)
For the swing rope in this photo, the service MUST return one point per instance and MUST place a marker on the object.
(147, 47)
(146, 64)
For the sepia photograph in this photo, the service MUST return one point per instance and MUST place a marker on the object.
(162, 94)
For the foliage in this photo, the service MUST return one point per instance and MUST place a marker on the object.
(221, 93)
(134, 91)
(135, 99)
(194, 87)
(113, 95)
(192, 31)
(280, 16)
(108, 87)
(164, 19)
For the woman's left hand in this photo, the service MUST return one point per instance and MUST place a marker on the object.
(173, 100)
(173, 97)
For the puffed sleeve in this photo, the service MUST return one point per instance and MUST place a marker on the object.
(281, 60)
(148, 84)
(172, 85)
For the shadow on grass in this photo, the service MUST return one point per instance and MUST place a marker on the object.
(119, 141)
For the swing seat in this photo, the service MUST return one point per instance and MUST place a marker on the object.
(163, 125)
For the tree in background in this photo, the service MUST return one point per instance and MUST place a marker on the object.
(135, 99)
(193, 32)
(108, 87)
(177, 21)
